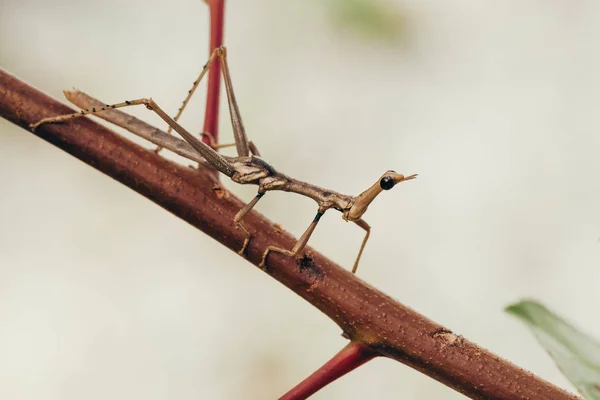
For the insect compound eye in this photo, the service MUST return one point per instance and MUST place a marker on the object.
(387, 182)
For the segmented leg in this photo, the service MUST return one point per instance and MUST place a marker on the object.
(363, 224)
(215, 145)
(215, 159)
(299, 244)
(195, 85)
(241, 140)
(238, 217)
(137, 127)
(239, 133)
(253, 148)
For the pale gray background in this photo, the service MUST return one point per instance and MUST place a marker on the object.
(495, 104)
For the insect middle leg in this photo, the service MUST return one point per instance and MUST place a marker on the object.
(300, 244)
(238, 217)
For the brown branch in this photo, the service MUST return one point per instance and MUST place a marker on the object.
(213, 89)
(365, 314)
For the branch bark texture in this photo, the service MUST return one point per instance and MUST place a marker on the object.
(365, 314)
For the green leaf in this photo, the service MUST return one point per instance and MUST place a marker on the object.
(577, 355)
(369, 18)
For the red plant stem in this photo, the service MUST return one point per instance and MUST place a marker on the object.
(211, 114)
(350, 357)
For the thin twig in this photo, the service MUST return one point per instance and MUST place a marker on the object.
(349, 358)
(213, 90)
(364, 314)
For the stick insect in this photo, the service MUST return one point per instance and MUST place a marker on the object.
(249, 168)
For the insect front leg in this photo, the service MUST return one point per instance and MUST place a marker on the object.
(363, 224)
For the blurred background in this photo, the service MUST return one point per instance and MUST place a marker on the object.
(494, 104)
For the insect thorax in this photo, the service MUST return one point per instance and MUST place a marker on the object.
(253, 170)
